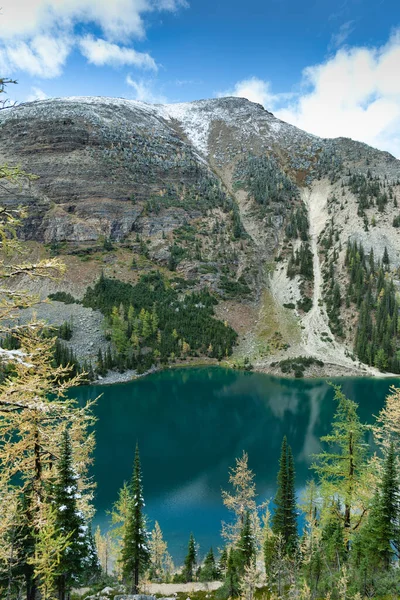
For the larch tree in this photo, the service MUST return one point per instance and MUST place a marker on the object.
(135, 554)
(104, 549)
(241, 500)
(387, 426)
(159, 556)
(342, 468)
(34, 409)
(310, 547)
(51, 542)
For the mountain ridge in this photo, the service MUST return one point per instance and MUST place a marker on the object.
(225, 185)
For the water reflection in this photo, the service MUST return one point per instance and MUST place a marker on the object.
(191, 424)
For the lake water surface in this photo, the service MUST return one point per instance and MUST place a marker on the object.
(191, 424)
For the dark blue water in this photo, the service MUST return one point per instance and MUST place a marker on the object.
(191, 424)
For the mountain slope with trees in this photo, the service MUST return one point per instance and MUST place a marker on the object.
(217, 195)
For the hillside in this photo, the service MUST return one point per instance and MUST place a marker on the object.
(216, 195)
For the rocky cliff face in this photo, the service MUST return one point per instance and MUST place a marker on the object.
(218, 190)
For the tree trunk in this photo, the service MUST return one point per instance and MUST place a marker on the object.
(61, 588)
(347, 511)
(31, 589)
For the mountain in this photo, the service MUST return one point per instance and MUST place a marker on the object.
(219, 194)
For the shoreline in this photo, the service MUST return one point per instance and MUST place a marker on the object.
(328, 371)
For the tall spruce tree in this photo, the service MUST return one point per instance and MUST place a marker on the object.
(69, 520)
(135, 554)
(190, 560)
(284, 520)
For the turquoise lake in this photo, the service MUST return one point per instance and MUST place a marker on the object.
(191, 424)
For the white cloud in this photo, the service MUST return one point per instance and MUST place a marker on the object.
(116, 18)
(355, 93)
(36, 94)
(254, 89)
(144, 91)
(345, 30)
(43, 56)
(25, 23)
(100, 52)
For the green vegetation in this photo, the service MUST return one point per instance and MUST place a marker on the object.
(150, 322)
(301, 263)
(284, 519)
(370, 191)
(305, 304)
(63, 297)
(298, 365)
(298, 224)
(65, 331)
(135, 555)
(331, 289)
(262, 177)
(233, 288)
(372, 291)
(350, 513)
(190, 561)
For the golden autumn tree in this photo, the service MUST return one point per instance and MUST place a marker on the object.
(387, 426)
(241, 500)
(35, 408)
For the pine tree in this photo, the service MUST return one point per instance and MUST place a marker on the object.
(284, 520)
(135, 555)
(69, 520)
(230, 587)
(190, 560)
(223, 561)
(209, 571)
(386, 532)
(245, 549)
(385, 258)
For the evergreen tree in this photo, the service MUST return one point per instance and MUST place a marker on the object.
(230, 587)
(69, 520)
(284, 520)
(385, 258)
(209, 571)
(135, 555)
(190, 560)
(386, 531)
(223, 562)
(245, 549)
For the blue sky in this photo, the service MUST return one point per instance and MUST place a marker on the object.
(331, 67)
